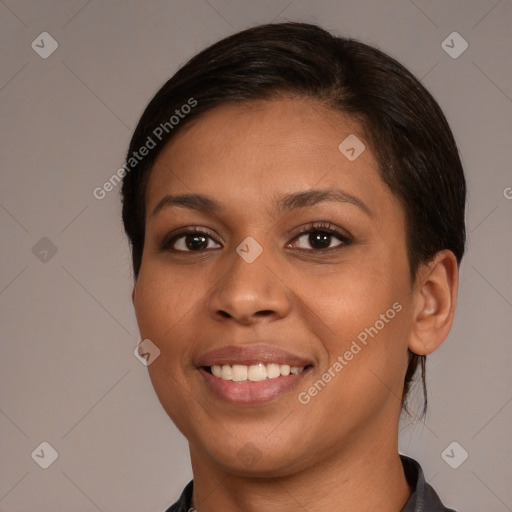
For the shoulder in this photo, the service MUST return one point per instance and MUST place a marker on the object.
(423, 498)
(184, 501)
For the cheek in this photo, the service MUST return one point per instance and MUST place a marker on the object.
(366, 313)
(165, 302)
(351, 299)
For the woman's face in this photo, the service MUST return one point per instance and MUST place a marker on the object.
(295, 256)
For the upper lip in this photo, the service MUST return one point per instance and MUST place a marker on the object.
(248, 355)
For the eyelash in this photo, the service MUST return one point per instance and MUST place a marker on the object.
(324, 228)
(313, 227)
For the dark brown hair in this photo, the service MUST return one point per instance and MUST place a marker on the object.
(405, 126)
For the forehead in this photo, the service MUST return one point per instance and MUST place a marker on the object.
(237, 152)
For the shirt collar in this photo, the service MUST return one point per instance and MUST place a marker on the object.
(423, 497)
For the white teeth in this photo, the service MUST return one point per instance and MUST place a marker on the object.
(273, 371)
(257, 372)
(285, 369)
(226, 373)
(254, 372)
(239, 372)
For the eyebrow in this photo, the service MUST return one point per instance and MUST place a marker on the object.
(311, 197)
(289, 202)
(192, 201)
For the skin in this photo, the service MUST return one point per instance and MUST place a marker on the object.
(340, 451)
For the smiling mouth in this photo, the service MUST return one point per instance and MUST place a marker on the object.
(254, 372)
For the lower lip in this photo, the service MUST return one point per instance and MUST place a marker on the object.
(248, 392)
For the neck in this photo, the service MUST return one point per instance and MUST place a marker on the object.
(358, 479)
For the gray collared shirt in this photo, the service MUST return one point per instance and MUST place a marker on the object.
(422, 499)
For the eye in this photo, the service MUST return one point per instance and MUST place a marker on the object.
(193, 239)
(321, 236)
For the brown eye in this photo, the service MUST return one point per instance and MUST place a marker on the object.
(320, 237)
(191, 240)
(318, 240)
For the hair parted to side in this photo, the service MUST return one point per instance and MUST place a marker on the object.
(404, 125)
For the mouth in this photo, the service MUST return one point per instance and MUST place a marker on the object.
(254, 372)
(251, 374)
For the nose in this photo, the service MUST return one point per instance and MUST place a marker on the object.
(250, 293)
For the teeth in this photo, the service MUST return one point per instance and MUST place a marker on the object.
(273, 371)
(257, 372)
(226, 373)
(239, 372)
(254, 372)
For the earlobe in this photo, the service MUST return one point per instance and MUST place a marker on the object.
(434, 303)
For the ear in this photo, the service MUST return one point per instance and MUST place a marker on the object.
(435, 299)
(133, 293)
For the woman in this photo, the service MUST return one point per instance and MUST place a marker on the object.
(295, 205)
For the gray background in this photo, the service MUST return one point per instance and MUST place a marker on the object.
(68, 375)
